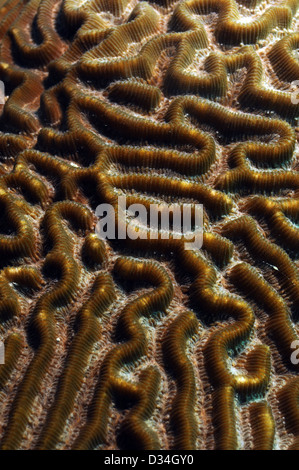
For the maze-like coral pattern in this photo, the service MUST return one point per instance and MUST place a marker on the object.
(140, 343)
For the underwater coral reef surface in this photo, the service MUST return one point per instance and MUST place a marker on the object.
(138, 342)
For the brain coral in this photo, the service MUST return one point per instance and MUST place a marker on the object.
(140, 343)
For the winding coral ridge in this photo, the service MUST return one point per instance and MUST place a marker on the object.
(139, 342)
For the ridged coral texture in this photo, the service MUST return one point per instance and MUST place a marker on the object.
(141, 343)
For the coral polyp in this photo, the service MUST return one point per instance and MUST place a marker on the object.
(139, 342)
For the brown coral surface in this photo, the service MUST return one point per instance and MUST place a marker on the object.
(140, 343)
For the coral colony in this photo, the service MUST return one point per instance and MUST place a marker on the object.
(136, 341)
